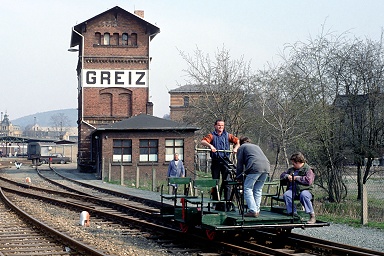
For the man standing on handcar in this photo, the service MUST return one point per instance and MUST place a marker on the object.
(220, 140)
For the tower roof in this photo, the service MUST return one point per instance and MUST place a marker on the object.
(5, 120)
(152, 30)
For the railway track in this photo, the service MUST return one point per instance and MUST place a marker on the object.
(265, 244)
(121, 221)
(21, 234)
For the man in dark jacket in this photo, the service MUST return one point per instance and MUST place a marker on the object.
(254, 166)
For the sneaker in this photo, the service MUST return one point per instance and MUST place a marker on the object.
(312, 219)
(251, 214)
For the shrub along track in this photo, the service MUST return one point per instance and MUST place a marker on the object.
(265, 244)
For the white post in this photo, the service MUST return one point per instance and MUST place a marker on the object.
(153, 179)
(109, 170)
(137, 176)
(364, 205)
(121, 174)
(103, 169)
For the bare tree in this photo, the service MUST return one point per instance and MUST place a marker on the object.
(310, 62)
(361, 83)
(282, 108)
(325, 99)
(347, 75)
(60, 123)
(223, 86)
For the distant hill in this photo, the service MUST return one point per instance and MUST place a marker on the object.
(44, 118)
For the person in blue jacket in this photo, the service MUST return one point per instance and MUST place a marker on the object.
(176, 168)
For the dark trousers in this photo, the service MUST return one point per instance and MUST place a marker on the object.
(217, 168)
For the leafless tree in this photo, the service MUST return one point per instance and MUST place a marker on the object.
(360, 77)
(224, 91)
(282, 108)
(324, 98)
(344, 80)
(60, 123)
(311, 61)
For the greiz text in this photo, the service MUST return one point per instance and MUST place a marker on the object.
(115, 78)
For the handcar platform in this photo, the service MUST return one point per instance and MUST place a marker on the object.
(205, 210)
(234, 221)
(265, 220)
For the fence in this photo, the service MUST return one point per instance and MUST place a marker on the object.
(370, 208)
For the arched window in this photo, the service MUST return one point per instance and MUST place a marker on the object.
(106, 39)
(186, 101)
(115, 39)
(98, 38)
(133, 39)
(124, 39)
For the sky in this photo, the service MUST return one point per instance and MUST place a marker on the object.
(38, 73)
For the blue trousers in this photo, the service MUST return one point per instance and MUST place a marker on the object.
(305, 200)
(253, 186)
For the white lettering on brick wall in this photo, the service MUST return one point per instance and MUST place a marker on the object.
(114, 78)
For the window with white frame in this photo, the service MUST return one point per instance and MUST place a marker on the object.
(124, 39)
(122, 151)
(148, 150)
(106, 39)
(173, 146)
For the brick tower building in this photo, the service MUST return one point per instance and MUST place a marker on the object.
(112, 72)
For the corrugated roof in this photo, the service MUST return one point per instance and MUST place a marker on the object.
(147, 122)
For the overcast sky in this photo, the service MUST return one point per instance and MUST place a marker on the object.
(38, 73)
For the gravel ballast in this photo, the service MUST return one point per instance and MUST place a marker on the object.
(364, 237)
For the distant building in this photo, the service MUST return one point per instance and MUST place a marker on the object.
(8, 129)
(10, 138)
(355, 115)
(38, 132)
(181, 99)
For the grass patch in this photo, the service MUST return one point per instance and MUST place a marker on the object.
(347, 212)
(350, 221)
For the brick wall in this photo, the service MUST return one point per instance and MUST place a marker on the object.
(161, 166)
(107, 23)
(101, 105)
(114, 102)
(177, 105)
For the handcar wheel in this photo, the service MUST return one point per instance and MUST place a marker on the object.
(184, 227)
(211, 234)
